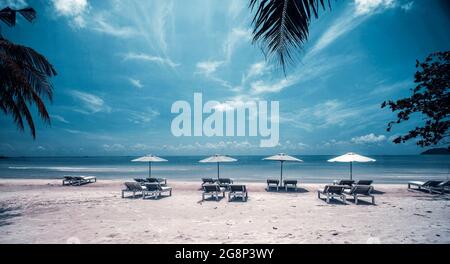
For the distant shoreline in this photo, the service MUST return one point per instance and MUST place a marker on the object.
(197, 155)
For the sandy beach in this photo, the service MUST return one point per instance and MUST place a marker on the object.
(43, 211)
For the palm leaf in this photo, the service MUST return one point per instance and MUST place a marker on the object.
(282, 26)
(8, 15)
(24, 80)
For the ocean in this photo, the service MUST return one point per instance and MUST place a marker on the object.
(314, 169)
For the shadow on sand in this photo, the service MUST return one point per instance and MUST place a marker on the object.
(7, 213)
(282, 190)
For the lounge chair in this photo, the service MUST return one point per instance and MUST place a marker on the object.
(333, 191)
(213, 190)
(207, 181)
(290, 184)
(155, 190)
(78, 180)
(140, 180)
(271, 183)
(133, 187)
(360, 191)
(162, 181)
(428, 185)
(225, 183)
(441, 187)
(364, 182)
(68, 180)
(347, 183)
(238, 191)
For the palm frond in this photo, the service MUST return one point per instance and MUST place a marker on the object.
(282, 26)
(24, 80)
(8, 15)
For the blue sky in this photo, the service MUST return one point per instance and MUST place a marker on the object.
(121, 65)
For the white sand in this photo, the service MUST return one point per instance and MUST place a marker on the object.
(42, 211)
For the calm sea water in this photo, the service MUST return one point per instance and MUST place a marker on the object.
(314, 169)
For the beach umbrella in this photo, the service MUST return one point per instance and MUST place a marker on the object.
(149, 158)
(218, 159)
(282, 157)
(350, 158)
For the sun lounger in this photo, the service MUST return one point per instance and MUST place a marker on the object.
(272, 183)
(225, 183)
(332, 191)
(78, 180)
(207, 181)
(441, 187)
(364, 182)
(155, 190)
(238, 191)
(290, 184)
(347, 183)
(140, 180)
(428, 185)
(213, 190)
(360, 191)
(162, 181)
(133, 187)
(67, 180)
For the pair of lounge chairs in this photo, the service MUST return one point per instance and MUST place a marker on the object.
(350, 183)
(431, 186)
(78, 180)
(222, 182)
(341, 191)
(154, 190)
(288, 184)
(215, 190)
(162, 181)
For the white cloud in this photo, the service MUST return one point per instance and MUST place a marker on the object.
(235, 36)
(91, 103)
(407, 6)
(73, 9)
(349, 20)
(208, 67)
(113, 147)
(259, 87)
(100, 24)
(312, 69)
(142, 117)
(150, 58)
(255, 70)
(393, 87)
(368, 139)
(59, 118)
(326, 114)
(136, 83)
(363, 7)
(236, 7)
(140, 147)
(13, 3)
(197, 146)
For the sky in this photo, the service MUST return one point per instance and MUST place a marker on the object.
(122, 64)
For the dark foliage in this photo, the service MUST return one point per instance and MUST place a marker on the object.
(282, 26)
(431, 98)
(24, 76)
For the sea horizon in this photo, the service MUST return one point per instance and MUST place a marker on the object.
(248, 168)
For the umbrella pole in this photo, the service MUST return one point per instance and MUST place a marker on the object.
(149, 170)
(281, 173)
(218, 171)
(351, 170)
